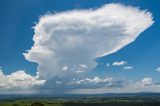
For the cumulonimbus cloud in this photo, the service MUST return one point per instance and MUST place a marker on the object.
(66, 40)
(78, 37)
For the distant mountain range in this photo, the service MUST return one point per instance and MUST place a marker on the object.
(32, 96)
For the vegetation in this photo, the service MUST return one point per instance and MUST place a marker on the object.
(90, 101)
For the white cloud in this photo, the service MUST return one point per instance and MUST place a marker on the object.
(79, 71)
(158, 69)
(64, 38)
(83, 66)
(95, 82)
(78, 37)
(144, 82)
(91, 80)
(128, 68)
(19, 80)
(121, 63)
(65, 68)
(120, 86)
(58, 82)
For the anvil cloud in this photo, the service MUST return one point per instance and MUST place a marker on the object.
(66, 43)
(71, 38)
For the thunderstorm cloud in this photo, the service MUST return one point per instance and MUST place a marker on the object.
(67, 43)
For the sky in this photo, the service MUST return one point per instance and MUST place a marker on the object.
(79, 46)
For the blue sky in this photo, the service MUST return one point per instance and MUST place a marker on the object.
(18, 17)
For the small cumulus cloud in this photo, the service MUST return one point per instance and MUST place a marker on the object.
(120, 63)
(65, 68)
(59, 82)
(158, 69)
(81, 68)
(83, 65)
(127, 67)
(79, 71)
